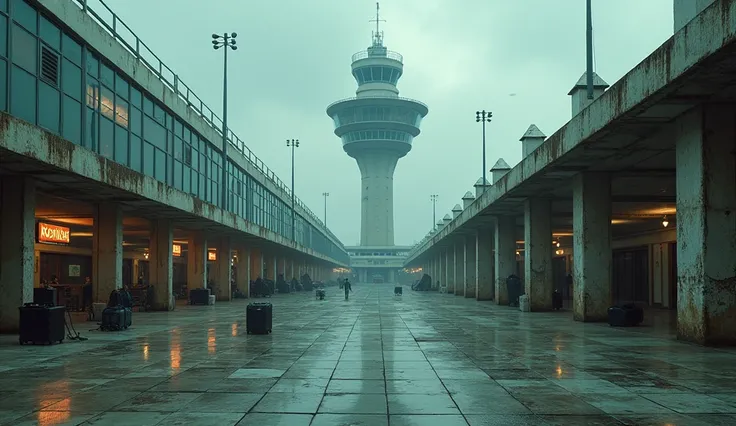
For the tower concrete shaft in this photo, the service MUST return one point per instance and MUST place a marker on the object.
(377, 197)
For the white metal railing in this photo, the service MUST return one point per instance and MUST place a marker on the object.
(114, 26)
(364, 54)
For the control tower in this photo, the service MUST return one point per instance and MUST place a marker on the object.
(377, 128)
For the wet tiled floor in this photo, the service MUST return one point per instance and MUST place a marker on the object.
(419, 359)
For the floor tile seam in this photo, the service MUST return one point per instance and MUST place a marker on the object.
(383, 369)
(687, 414)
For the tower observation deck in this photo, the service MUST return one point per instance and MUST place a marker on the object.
(377, 128)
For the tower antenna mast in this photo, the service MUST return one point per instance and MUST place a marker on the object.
(378, 35)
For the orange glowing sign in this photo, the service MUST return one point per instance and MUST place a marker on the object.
(212, 255)
(55, 234)
(176, 250)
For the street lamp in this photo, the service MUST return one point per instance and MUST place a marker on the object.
(325, 194)
(226, 41)
(484, 117)
(293, 144)
(434, 198)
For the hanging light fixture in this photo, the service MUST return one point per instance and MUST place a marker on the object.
(665, 222)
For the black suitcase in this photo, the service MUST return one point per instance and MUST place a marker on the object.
(128, 317)
(44, 296)
(513, 286)
(556, 300)
(199, 296)
(113, 319)
(41, 324)
(259, 318)
(628, 315)
(398, 291)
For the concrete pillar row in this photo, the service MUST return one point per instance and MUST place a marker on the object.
(460, 266)
(243, 271)
(450, 270)
(441, 269)
(107, 251)
(470, 266)
(292, 272)
(224, 270)
(256, 263)
(17, 232)
(705, 142)
(161, 264)
(483, 265)
(538, 278)
(196, 261)
(592, 256)
(505, 258)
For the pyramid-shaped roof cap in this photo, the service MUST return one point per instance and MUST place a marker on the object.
(440, 222)
(533, 132)
(457, 208)
(598, 83)
(501, 164)
(447, 217)
(468, 196)
(479, 182)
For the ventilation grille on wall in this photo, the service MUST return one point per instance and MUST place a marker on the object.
(49, 66)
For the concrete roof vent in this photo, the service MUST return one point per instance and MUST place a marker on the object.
(479, 187)
(456, 211)
(440, 224)
(447, 219)
(499, 169)
(579, 92)
(468, 199)
(531, 140)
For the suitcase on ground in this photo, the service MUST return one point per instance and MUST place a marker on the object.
(259, 318)
(41, 324)
(113, 319)
(199, 296)
(44, 296)
(398, 291)
(556, 300)
(128, 317)
(625, 316)
(513, 286)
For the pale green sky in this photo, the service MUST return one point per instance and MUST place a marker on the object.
(460, 56)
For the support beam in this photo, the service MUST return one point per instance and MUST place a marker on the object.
(591, 246)
(242, 272)
(450, 270)
(197, 261)
(538, 278)
(161, 264)
(470, 267)
(484, 288)
(459, 250)
(505, 257)
(223, 267)
(107, 251)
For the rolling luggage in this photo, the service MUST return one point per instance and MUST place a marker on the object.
(556, 300)
(259, 318)
(113, 319)
(513, 286)
(199, 296)
(41, 324)
(398, 291)
(44, 296)
(628, 315)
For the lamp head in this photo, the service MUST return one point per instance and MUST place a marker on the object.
(233, 35)
(216, 36)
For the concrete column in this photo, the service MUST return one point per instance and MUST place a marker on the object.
(292, 273)
(107, 251)
(197, 262)
(592, 257)
(505, 259)
(224, 270)
(450, 270)
(282, 266)
(538, 278)
(484, 289)
(17, 237)
(441, 270)
(242, 272)
(470, 267)
(256, 264)
(460, 267)
(706, 230)
(161, 264)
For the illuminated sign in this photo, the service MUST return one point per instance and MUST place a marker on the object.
(212, 255)
(54, 234)
(176, 250)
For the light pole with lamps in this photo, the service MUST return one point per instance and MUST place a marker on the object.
(325, 194)
(484, 117)
(293, 144)
(434, 198)
(227, 41)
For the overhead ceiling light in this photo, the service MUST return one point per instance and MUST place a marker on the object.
(665, 222)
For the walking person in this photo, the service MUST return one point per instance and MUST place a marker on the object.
(347, 287)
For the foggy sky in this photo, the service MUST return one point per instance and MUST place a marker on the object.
(516, 58)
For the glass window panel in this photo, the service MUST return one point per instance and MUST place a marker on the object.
(107, 106)
(121, 87)
(135, 153)
(72, 126)
(169, 169)
(121, 145)
(107, 76)
(50, 33)
(160, 166)
(71, 49)
(4, 5)
(25, 15)
(135, 121)
(187, 154)
(3, 36)
(178, 148)
(121, 112)
(202, 183)
(107, 130)
(148, 106)
(90, 130)
(93, 93)
(135, 96)
(71, 79)
(195, 159)
(25, 49)
(177, 175)
(148, 159)
(158, 113)
(23, 101)
(49, 107)
(186, 179)
(154, 133)
(178, 128)
(3, 85)
(93, 64)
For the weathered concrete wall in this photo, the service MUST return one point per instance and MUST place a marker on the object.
(30, 141)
